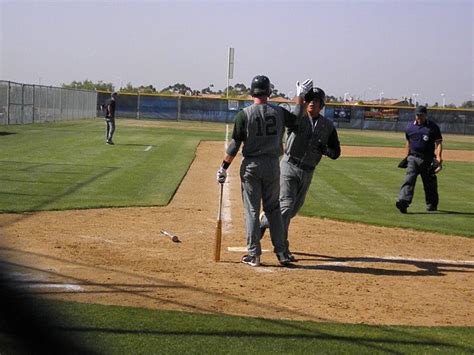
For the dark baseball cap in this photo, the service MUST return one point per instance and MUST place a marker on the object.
(421, 110)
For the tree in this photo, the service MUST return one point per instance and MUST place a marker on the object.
(89, 85)
(129, 88)
(208, 90)
(177, 88)
(468, 104)
(147, 89)
(451, 105)
(331, 98)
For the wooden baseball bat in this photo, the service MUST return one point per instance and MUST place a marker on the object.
(217, 250)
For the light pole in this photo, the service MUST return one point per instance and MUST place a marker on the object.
(380, 97)
(414, 98)
(444, 100)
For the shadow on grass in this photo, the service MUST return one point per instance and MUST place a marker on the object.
(6, 133)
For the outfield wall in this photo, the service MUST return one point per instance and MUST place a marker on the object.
(196, 108)
(24, 103)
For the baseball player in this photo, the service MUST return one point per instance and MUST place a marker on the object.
(424, 157)
(110, 118)
(307, 142)
(260, 128)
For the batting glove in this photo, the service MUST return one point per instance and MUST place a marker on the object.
(221, 175)
(302, 89)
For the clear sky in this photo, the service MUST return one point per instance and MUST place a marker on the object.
(362, 48)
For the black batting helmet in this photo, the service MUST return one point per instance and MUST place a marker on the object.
(260, 86)
(316, 93)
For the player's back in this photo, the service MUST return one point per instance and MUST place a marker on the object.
(265, 128)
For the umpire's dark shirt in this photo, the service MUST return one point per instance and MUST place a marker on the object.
(110, 113)
(422, 138)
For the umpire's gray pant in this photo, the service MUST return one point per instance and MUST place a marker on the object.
(419, 166)
(260, 183)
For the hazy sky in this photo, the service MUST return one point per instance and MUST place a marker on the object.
(362, 48)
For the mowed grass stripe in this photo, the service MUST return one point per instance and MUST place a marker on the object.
(90, 173)
(365, 190)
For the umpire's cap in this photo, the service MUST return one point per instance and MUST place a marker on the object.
(421, 110)
(316, 93)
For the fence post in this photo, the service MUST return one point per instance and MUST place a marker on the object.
(138, 105)
(8, 104)
(22, 103)
(33, 117)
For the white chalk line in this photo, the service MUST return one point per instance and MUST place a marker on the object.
(35, 281)
(226, 204)
(148, 148)
(440, 261)
(243, 249)
(377, 259)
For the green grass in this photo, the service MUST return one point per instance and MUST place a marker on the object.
(67, 165)
(64, 165)
(125, 330)
(365, 190)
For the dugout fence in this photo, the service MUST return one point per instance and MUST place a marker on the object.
(25, 103)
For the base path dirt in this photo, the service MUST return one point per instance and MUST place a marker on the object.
(347, 272)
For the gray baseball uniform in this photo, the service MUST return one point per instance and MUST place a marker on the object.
(260, 127)
(306, 145)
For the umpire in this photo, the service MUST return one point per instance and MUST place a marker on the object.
(424, 149)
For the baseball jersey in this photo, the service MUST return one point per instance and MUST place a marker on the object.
(110, 113)
(261, 128)
(422, 138)
(305, 141)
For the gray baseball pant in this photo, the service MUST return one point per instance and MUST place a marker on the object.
(260, 183)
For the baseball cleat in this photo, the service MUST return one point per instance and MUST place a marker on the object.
(431, 208)
(401, 206)
(283, 259)
(252, 260)
(291, 257)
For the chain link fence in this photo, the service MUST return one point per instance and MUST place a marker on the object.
(25, 103)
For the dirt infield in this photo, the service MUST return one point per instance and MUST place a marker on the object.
(347, 272)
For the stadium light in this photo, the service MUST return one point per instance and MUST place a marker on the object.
(345, 96)
(380, 97)
(414, 98)
(444, 99)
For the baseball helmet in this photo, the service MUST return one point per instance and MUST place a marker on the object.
(316, 93)
(260, 86)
